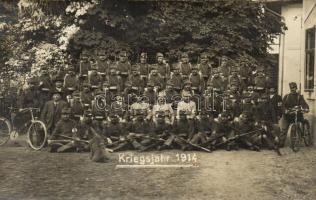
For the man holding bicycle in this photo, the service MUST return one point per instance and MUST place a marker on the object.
(290, 101)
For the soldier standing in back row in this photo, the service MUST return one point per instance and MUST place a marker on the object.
(162, 68)
(103, 64)
(205, 68)
(123, 67)
(143, 67)
(185, 66)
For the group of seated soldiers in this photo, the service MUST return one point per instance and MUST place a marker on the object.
(155, 106)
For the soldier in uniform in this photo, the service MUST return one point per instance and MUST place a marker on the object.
(76, 106)
(234, 78)
(144, 67)
(115, 82)
(162, 68)
(186, 88)
(136, 81)
(156, 79)
(86, 129)
(51, 112)
(247, 105)
(221, 131)
(245, 74)
(94, 79)
(169, 93)
(137, 130)
(205, 68)
(289, 102)
(116, 132)
(58, 80)
(150, 93)
(85, 65)
(203, 129)
(274, 106)
(103, 64)
(196, 81)
(167, 110)
(176, 79)
(98, 106)
(86, 95)
(159, 131)
(70, 81)
(123, 67)
(217, 80)
(188, 106)
(45, 86)
(260, 81)
(225, 68)
(65, 128)
(185, 66)
(182, 130)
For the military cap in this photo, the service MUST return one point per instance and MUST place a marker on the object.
(215, 70)
(101, 53)
(210, 84)
(44, 68)
(86, 84)
(187, 82)
(184, 55)
(128, 84)
(87, 113)
(292, 85)
(260, 69)
(70, 68)
(143, 55)
(245, 115)
(32, 80)
(76, 93)
(175, 66)
(66, 111)
(105, 84)
(58, 78)
(194, 67)
(56, 92)
(112, 69)
(159, 55)
(150, 84)
(223, 115)
(135, 68)
(169, 83)
(204, 55)
(123, 53)
(246, 94)
(98, 91)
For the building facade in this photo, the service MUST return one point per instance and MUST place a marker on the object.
(297, 56)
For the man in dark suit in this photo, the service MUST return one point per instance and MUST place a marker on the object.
(51, 112)
(274, 106)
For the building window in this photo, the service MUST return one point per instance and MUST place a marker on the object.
(309, 59)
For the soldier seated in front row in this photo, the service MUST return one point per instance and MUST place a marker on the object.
(203, 129)
(62, 138)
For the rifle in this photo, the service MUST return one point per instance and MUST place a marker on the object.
(237, 136)
(194, 145)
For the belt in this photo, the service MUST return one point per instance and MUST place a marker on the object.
(45, 89)
(86, 104)
(94, 86)
(71, 89)
(99, 117)
(113, 88)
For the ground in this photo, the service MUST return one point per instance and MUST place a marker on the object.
(238, 175)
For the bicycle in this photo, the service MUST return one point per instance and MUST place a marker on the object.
(36, 129)
(299, 130)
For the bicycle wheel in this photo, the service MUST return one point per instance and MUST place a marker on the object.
(37, 135)
(294, 138)
(307, 135)
(5, 130)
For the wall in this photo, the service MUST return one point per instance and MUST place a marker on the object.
(292, 51)
(309, 21)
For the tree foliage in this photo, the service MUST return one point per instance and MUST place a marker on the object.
(238, 29)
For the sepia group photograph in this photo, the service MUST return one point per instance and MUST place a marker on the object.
(157, 99)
